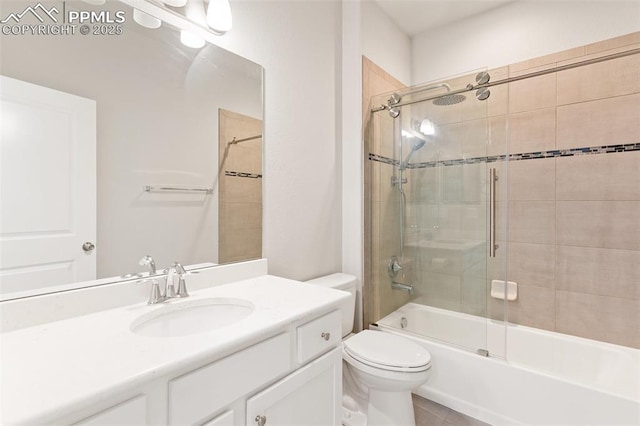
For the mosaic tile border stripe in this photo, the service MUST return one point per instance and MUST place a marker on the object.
(605, 149)
(243, 175)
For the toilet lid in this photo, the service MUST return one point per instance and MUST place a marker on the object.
(387, 350)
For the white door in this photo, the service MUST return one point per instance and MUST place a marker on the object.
(47, 187)
(311, 396)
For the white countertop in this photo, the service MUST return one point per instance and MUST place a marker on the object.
(56, 367)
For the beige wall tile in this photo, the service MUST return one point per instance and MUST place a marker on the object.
(532, 131)
(600, 80)
(614, 176)
(534, 307)
(242, 190)
(497, 143)
(532, 93)
(604, 224)
(613, 43)
(604, 272)
(531, 222)
(474, 183)
(474, 221)
(242, 215)
(546, 60)
(604, 122)
(498, 102)
(474, 296)
(532, 179)
(617, 320)
(472, 108)
(531, 264)
(475, 137)
(441, 291)
(448, 141)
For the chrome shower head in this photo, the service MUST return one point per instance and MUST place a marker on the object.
(449, 100)
(416, 146)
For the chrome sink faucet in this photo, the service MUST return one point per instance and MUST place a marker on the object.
(170, 292)
(148, 261)
(176, 269)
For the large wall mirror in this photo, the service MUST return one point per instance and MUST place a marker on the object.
(118, 144)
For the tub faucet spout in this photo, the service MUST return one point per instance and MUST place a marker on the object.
(402, 287)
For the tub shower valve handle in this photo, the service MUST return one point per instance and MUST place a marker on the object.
(394, 267)
(261, 420)
(326, 336)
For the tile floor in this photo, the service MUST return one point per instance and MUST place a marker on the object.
(429, 413)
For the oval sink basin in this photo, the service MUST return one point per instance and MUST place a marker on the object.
(185, 318)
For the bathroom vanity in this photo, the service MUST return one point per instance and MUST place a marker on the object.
(280, 363)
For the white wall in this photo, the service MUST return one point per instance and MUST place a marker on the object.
(518, 31)
(384, 42)
(298, 45)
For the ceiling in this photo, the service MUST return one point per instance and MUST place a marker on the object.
(417, 16)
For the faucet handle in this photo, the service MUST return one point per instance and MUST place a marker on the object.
(156, 295)
(182, 284)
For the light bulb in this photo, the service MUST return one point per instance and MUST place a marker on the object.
(146, 20)
(219, 16)
(427, 127)
(175, 3)
(189, 39)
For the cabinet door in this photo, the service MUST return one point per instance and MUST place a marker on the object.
(310, 396)
(224, 419)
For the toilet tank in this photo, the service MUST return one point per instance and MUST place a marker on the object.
(346, 283)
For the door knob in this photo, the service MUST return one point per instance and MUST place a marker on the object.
(88, 246)
(261, 420)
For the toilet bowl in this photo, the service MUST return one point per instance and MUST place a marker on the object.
(379, 369)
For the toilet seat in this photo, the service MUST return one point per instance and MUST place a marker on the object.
(387, 351)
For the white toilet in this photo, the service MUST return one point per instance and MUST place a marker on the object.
(379, 369)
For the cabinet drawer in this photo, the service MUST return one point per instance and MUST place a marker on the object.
(196, 395)
(318, 336)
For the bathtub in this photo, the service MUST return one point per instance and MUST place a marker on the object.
(546, 378)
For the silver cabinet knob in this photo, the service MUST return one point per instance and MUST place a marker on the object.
(261, 420)
(326, 336)
(88, 246)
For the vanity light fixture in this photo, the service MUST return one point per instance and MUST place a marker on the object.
(146, 20)
(219, 16)
(427, 127)
(189, 39)
(175, 3)
(194, 11)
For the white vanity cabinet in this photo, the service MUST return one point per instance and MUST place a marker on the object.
(130, 412)
(309, 396)
(282, 363)
(195, 396)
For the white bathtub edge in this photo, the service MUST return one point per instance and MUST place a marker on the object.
(464, 407)
(479, 386)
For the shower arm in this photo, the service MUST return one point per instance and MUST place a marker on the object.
(470, 87)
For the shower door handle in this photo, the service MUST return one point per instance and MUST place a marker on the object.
(493, 179)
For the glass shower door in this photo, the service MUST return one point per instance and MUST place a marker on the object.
(444, 149)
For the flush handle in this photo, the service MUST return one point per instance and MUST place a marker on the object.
(326, 336)
(261, 420)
